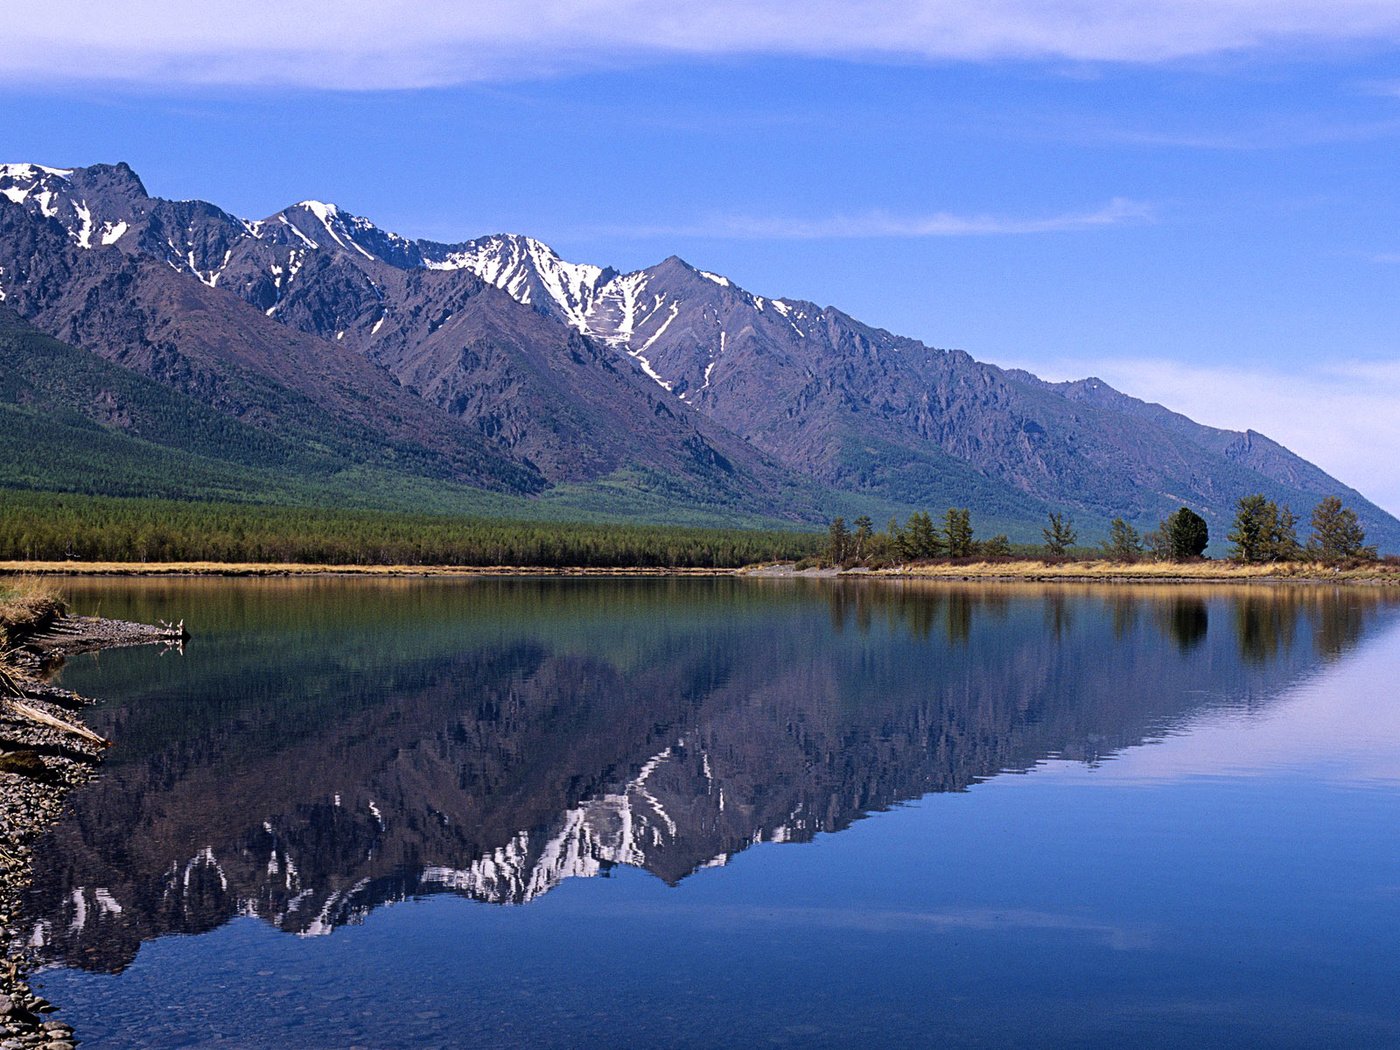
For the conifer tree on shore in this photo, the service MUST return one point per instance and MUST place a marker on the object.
(1059, 535)
(1336, 533)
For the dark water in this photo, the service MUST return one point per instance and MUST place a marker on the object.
(734, 813)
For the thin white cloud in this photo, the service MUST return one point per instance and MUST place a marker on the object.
(359, 44)
(1257, 136)
(876, 224)
(1343, 415)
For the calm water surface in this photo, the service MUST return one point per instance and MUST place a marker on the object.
(733, 813)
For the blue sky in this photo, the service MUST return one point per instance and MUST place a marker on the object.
(1196, 202)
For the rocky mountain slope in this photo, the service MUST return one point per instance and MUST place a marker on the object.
(496, 362)
(861, 408)
(439, 358)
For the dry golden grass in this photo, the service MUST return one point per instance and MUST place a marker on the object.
(1149, 571)
(28, 574)
(25, 602)
(210, 568)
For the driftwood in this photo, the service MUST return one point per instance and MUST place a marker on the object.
(67, 635)
(44, 718)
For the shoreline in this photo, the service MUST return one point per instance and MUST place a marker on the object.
(972, 572)
(39, 766)
(46, 751)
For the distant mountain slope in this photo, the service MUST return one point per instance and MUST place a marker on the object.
(542, 391)
(441, 354)
(860, 408)
(144, 316)
(494, 362)
(72, 421)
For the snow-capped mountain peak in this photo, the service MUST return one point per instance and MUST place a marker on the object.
(530, 271)
(675, 320)
(20, 179)
(323, 224)
(48, 191)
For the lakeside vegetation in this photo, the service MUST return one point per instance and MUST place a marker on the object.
(52, 532)
(50, 527)
(1265, 539)
(25, 603)
(1385, 570)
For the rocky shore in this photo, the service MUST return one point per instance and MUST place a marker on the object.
(40, 763)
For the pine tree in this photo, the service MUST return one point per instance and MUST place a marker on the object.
(996, 547)
(1252, 522)
(1283, 542)
(895, 540)
(1336, 533)
(957, 532)
(1185, 534)
(838, 541)
(1059, 536)
(862, 539)
(923, 538)
(1263, 533)
(1123, 543)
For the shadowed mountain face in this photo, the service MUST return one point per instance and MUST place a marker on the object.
(291, 324)
(559, 372)
(323, 748)
(144, 316)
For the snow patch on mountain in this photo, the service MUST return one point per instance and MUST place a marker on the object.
(32, 171)
(525, 268)
(631, 312)
(19, 182)
(304, 238)
(112, 232)
(341, 226)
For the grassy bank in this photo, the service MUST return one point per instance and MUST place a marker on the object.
(1152, 571)
(26, 603)
(1028, 570)
(218, 568)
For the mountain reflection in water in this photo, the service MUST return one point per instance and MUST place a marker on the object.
(328, 746)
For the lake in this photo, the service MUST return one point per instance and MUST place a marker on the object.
(725, 812)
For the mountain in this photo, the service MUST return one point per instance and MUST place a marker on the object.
(71, 421)
(438, 354)
(459, 383)
(496, 363)
(139, 313)
(862, 409)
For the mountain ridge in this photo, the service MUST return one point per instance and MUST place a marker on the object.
(576, 372)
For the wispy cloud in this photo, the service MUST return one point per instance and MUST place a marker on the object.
(1256, 137)
(878, 224)
(357, 44)
(1342, 415)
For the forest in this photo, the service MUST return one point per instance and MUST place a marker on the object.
(41, 526)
